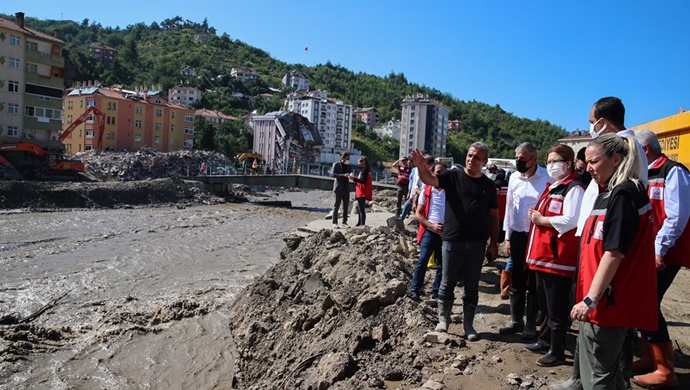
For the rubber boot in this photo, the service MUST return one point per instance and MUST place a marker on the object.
(468, 321)
(664, 376)
(574, 382)
(505, 284)
(646, 363)
(444, 309)
(556, 354)
(530, 330)
(517, 310)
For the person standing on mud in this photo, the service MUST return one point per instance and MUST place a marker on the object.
(363, 190)
(524, 190)
(470, 196)
(403, 168)
(341, 186)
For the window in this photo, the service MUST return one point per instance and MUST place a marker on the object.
(189, 118)
(15, 63)
(188, 143)
(13, 108)
(140, 110)
(15, 40)
(90, 103)
(137, 124)
(189, 130)
(13, 131)
(70, 104)
(13, 86)
(88, 133)
(31, 68)
(159, 113)
(31, 46)
(69, 120)
(137, 137)
(172, 115)
(157, 139)
(87, 147)
(172, 127)
(158, 126)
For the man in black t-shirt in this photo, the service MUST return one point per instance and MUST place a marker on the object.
(471, 217)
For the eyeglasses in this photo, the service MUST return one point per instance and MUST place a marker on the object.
(555, 161)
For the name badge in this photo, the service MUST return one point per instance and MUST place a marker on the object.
(656, 193)
(555, 206)
(599, 231)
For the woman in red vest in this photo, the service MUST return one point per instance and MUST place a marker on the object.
(363, 189)
(616, 283)
(552, 252)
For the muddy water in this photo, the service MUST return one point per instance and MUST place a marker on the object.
(147, 290)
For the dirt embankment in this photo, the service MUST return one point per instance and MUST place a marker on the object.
(333, 314)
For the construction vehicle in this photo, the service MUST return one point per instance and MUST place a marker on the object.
(98, 118)
(32, 160)
(674, 135)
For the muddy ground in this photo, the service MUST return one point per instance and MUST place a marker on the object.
(120, 295)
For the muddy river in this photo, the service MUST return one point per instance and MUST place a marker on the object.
(146, 291)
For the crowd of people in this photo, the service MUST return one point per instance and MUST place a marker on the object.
(595, 237)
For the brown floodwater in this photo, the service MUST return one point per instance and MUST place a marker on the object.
(147, 290)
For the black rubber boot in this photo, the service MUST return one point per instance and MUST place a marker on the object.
(444, 310)
(556, 354)
(530, 330)
(517, 310)
(468, 321)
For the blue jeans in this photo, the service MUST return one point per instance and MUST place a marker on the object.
(462, 259)
(407, 207)
(430, 243)
(664, 279)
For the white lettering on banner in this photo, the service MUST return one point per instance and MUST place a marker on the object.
(555, 206)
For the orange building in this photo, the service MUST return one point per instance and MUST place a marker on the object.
(133, 119)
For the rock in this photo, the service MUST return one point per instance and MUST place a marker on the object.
(496, 359)
(334, 367)
(432, 385)
(381, 296)
(380, 333)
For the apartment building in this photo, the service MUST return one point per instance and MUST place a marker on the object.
(102, 53)
(214, 117)
(332, 117)
(185, 96)
(424, 125)
(133, 119)
(455, 125)
(368, 115)
(31, 81)
(390, 128)
(244, 74)
(296, 80)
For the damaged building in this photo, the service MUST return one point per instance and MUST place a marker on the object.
(285, 137)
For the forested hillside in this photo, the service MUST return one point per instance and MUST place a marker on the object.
(154, 54)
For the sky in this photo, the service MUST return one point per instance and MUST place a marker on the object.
(548, 60)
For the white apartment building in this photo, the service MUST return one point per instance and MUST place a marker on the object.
(185, 96)
(390, 128)
(244, 74)
(296, 80)
(332, 117)
(424, 125)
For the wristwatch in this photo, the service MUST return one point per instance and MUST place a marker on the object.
(590, 303)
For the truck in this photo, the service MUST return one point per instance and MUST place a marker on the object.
(674, 135)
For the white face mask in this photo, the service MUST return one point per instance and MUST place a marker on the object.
(593, 133)
(555, 170)
(491, 176)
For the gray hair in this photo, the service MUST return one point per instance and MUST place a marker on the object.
(527, 147)
(612, 144)
(481, 146)
(649, 139)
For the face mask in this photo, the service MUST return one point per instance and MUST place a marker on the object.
(555, 170)
(593, 133)
(521, 166)
(346, 161)
(491, 176)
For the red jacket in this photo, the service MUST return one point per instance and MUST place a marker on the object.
(364, 188)
(679, 253)
(631, 299)
(547, 252)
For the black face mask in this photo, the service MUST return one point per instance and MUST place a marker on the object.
(521, 166)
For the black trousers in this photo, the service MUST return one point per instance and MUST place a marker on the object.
(344, 197)
(520, 274)
(553, 292)
(362, 211)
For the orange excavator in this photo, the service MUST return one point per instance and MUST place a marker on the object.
(98, 118)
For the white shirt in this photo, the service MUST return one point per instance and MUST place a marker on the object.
(593, 188)
(571, 209)
(676, 185)
(437, 208)
(523, 193)
(415, 183)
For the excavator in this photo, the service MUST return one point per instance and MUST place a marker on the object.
(32, 160)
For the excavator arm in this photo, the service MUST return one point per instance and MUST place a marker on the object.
(99, 126)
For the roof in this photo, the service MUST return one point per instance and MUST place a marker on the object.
(214, 114)
(10, 25)
(99, 46)
(122, 94)
(576, 137)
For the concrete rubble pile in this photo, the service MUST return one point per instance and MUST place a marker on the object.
(147, 163)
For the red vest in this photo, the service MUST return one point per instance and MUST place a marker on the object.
(631, 299)
(546, 251)
(404, 174)
(679, 253)
(502, 193)
(364, 190)
(425, 211)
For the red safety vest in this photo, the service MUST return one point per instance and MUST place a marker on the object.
(425, 212)
(502, 194)
(364, 190)
(404, 174)
(679, 253)
(547, 252)
(631, 299)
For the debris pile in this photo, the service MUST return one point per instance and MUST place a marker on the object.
(147, 163)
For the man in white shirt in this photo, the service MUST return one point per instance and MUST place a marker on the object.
(524, 190)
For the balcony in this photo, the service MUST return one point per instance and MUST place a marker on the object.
(37, 79)
(40, 57)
